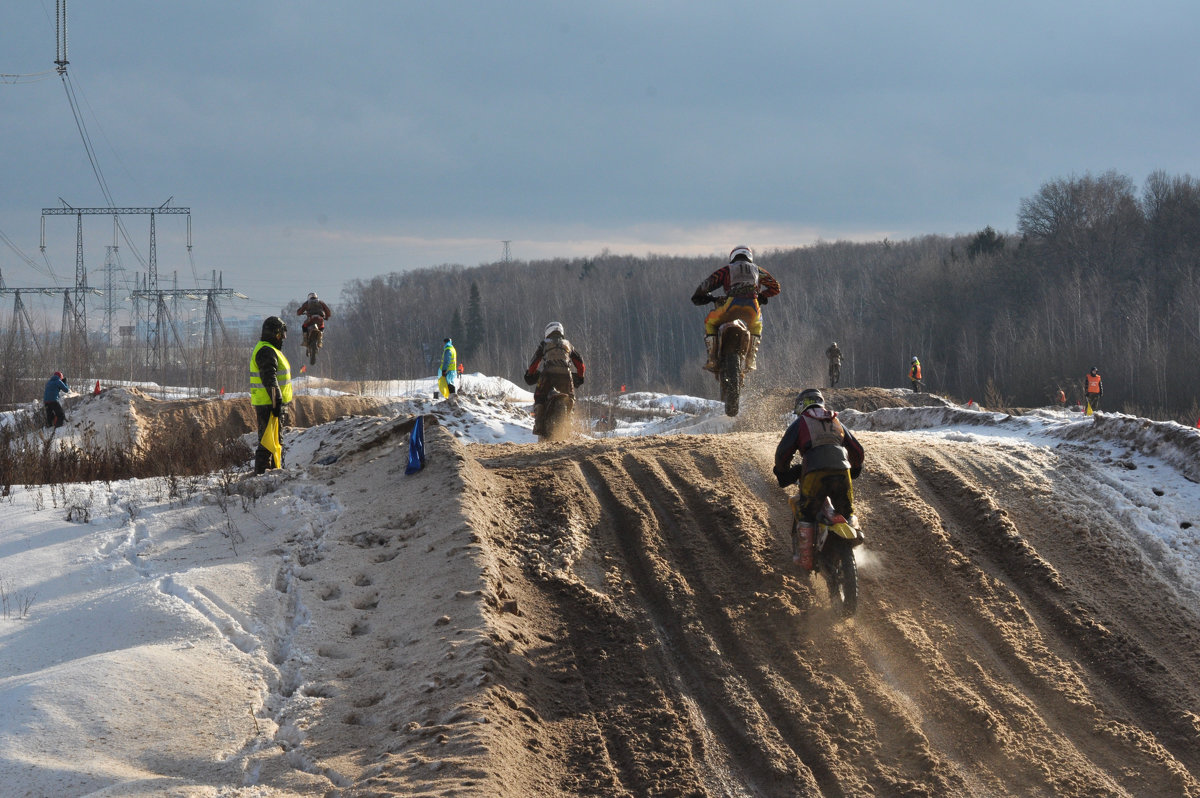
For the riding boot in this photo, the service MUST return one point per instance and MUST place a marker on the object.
(752, 357)
(710, 344)
(538, 427)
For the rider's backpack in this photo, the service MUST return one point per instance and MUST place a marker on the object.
(556, 354)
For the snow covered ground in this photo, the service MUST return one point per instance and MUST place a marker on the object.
(137, 638)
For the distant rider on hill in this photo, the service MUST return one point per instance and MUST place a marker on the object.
(747, 286)
(835, 363)
(316, 311)
(551, 368)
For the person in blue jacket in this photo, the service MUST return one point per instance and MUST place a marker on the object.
(55, 417)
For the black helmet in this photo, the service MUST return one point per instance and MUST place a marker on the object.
(273, 327)
(807, 398)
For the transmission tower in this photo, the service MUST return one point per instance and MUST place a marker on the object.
(507, 253)
(111, 267)
(153, 336)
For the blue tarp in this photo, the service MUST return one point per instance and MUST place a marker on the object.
(416, 447)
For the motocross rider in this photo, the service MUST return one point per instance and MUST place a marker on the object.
(831, 458)
(747, 286)
(316, 311)
(551, 368)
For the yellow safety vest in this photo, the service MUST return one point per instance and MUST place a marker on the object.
(283, 375)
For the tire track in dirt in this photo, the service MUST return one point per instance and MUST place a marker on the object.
(1019, 619)
(699, 645)
(697, 662)
(822, 658)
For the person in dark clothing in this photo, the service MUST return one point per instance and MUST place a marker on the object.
(315, 311)
(551, 368)
(831, 458)
(1093, 388)
(270, 384)
(747, 287)
(835, 363)
(55, 417)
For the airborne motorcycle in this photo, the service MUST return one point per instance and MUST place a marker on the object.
(312, 343)
(828, 546)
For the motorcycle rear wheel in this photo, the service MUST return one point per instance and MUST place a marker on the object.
(841, 574)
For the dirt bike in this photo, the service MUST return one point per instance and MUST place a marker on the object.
(312, 343)
(831, 552)
(557, 412)
(733, 347)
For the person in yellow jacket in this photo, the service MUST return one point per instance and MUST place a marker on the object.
(270, 384)
(914, 375)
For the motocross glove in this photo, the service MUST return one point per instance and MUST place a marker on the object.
(701, 299)
(854, 472)
(576, 380)
(762, 299)
(531, 379)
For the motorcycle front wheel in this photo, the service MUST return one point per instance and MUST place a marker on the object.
(730, 373)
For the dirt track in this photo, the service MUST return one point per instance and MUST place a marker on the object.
(1006, 643)
(621, 618)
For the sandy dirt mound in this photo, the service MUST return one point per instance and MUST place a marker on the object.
(621, 617)
(213, 420)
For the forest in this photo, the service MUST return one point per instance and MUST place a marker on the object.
(1099, 273)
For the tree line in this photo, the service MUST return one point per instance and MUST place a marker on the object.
(1098, 274)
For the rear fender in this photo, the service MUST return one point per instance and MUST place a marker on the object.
(734, 333)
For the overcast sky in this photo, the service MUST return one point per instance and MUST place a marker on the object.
(318, 142)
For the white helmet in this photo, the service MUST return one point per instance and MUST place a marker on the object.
(312, 296)
(741, 252)
(914, 360)
(553, 327)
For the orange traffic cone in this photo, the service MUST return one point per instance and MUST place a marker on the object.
(96, 392)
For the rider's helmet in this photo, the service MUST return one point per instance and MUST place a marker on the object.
(553, 327)
(834, 343)
(807, 398)
(58, 374)
(313, 297)
(741, 252)
(273, 327)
